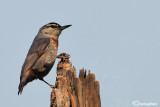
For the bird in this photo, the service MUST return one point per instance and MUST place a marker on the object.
(41, 55)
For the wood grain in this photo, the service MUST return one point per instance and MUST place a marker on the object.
(73, 91)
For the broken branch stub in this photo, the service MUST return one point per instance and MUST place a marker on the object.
(71, 91)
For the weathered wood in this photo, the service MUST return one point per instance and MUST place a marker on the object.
(71, 91)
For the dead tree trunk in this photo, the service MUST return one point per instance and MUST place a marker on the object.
(71, 91)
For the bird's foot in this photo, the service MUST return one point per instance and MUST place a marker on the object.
(52, 86)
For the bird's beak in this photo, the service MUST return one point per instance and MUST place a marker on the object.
(64, 27)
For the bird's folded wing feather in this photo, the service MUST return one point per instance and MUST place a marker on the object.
(37, 49)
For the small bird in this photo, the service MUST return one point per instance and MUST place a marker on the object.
(42, 54)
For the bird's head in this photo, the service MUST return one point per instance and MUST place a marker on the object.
(53, 29)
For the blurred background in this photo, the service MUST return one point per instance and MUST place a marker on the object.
(118, 40)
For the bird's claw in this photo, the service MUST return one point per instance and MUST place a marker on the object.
(52, 86)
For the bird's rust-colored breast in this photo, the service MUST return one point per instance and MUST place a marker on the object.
(56, 42)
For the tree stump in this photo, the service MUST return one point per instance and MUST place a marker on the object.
(71, 91)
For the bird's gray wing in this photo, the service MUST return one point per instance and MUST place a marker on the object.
(37, 49)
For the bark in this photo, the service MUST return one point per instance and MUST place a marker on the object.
(73, 91)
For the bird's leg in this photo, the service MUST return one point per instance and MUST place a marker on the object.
(52, 86)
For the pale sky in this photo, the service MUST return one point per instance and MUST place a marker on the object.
(118, 40)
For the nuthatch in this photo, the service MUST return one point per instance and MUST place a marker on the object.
(42, 54)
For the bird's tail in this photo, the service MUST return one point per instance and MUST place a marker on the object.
(20, 88)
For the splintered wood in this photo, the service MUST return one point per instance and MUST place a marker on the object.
(71, 91)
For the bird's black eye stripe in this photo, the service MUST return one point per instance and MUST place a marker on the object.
(52, 26)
